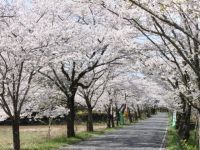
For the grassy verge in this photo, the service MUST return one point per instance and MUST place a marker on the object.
(34, 137)
(36, 141)
(174, 142)
(63, 140)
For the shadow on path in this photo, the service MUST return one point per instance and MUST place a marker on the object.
(147, 134)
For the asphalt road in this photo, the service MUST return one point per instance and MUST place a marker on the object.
(149, 134)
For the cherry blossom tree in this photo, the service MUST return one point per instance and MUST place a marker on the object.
(93, 93)
(179, 39)
(48, 104)
(92, 43)
(22, 46)
(75, 44)
(17, 72)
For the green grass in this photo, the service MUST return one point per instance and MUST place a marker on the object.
(35, 137)
(191, 144)
(37, 141)
(64, 141)
(174, 142)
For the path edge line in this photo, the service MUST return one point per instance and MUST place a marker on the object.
(164, 139)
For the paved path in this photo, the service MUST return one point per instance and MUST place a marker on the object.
(147, 134)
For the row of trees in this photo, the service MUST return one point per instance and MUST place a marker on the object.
(100, 54)
(170, 40)
(172, 29)
(53, 49)
(170, 48)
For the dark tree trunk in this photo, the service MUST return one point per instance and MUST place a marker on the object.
(148, 112)
(184, 130)
(71, 116)
(130, 116)
(90, 120)
(108, 118)
(112, 119)
(184, 122)
(135, 116)
(16, 134)
(178, 120)
(199, 130)
(153, 111)
(139, 112)
(181, 116)
(117, 117)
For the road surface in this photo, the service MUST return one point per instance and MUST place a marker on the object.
(149, 134)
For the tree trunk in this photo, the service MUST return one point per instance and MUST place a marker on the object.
(148, 112)
(139, 112)
(178, 120)
(135, 116)
(199, 130)
(16, 134)
(153, 110)
(130, 116)
(184, 130)
(108, 118)
(117, 117)
(71, 117)
(184, 123)
(49, 128)
(181, 116)
(112, 119)
(90, 121)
